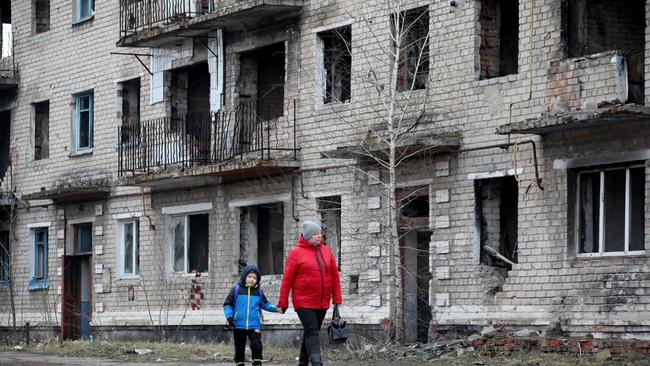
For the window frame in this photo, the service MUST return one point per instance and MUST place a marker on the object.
(44, 154)
(39, 276)
(601, 220)
(423, 60)
(78, 16)
(186, 244)
(121, 239)
(77, 122)
(322, 97)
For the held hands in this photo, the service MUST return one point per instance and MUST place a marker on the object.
(282, 310)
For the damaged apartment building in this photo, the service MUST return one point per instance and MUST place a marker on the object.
(502, 144)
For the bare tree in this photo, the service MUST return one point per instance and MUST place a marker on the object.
(10, 202)
(391, 74)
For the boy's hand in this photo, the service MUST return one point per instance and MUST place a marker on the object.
(231, 322)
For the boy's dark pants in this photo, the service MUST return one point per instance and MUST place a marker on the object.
(255, 338)
(311, 320)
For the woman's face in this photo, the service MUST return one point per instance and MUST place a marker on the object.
(316, 238)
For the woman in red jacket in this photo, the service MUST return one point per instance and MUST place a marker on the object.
(311, 274)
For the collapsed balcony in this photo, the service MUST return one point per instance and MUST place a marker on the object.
(149, 23)
(201, 147)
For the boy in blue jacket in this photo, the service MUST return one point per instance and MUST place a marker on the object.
(243, 310)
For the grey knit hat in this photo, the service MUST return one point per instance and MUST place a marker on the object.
(309, 228)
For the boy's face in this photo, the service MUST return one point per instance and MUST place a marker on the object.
(251, 279)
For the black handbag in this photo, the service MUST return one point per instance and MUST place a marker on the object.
(337, 331)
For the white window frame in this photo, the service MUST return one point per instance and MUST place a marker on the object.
(77, 122)
(320, 73)
(121, 230)
(186, 246)
(601, 219)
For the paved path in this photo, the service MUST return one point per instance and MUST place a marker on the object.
(32, 359)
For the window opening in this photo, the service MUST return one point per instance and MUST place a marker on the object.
(411, 28)
(41, 130)
(354, 284)
(496, 205)
(41, 16)
(499, 29)
(594, 26)
(40, 253)
(130, 248)
(337, 64)
(85, 9)
(5, 141)
(329, 209)
(262, 237)
(6, 41)
(413, 207)
(261, 82)
(5, 251)
(190, 243)
(84, 122)
(130, 94)
(83, 237)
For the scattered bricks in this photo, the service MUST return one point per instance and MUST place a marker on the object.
(586, 344)
(554, 342)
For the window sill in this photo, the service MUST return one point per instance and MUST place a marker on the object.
(498, 80)
(191, 274)
(82, 21)
(81, 153)
(38, 284)
(334, 105)
(129, 278)
(609, 255)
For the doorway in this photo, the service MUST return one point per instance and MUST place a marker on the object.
(416, 276)
(76, 309)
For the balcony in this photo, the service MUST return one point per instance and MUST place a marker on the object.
(8, 75)
(204, 148)
(150, 23)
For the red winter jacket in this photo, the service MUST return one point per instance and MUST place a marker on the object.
(311, 274)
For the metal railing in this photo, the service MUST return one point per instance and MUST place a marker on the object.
(7, 61)
(136, 15)
(203, 138)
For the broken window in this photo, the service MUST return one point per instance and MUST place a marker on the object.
(128, 234)
(40, 253)
(83, 124)
(593, 26)
(610, 204)
(41, 130)
(496, 215)
(83, 238)
(83, 9)
(413, 207)
(261, 82)
(190, 243)
(499, 30)
(354, 284)
(329, 209)
(130, 94)
(5, 251)
(41, 16)
(262, 237)
(336, 64)
(411, 30)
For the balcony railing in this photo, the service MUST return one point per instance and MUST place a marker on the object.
(205, 138)
(139, 14)
(7, 62)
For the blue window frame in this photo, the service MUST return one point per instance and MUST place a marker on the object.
(39, 276)
(83, 127)
(85, 9)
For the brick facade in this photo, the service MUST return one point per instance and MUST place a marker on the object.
(548, 286)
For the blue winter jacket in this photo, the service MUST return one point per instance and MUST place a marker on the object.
(246, 307)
